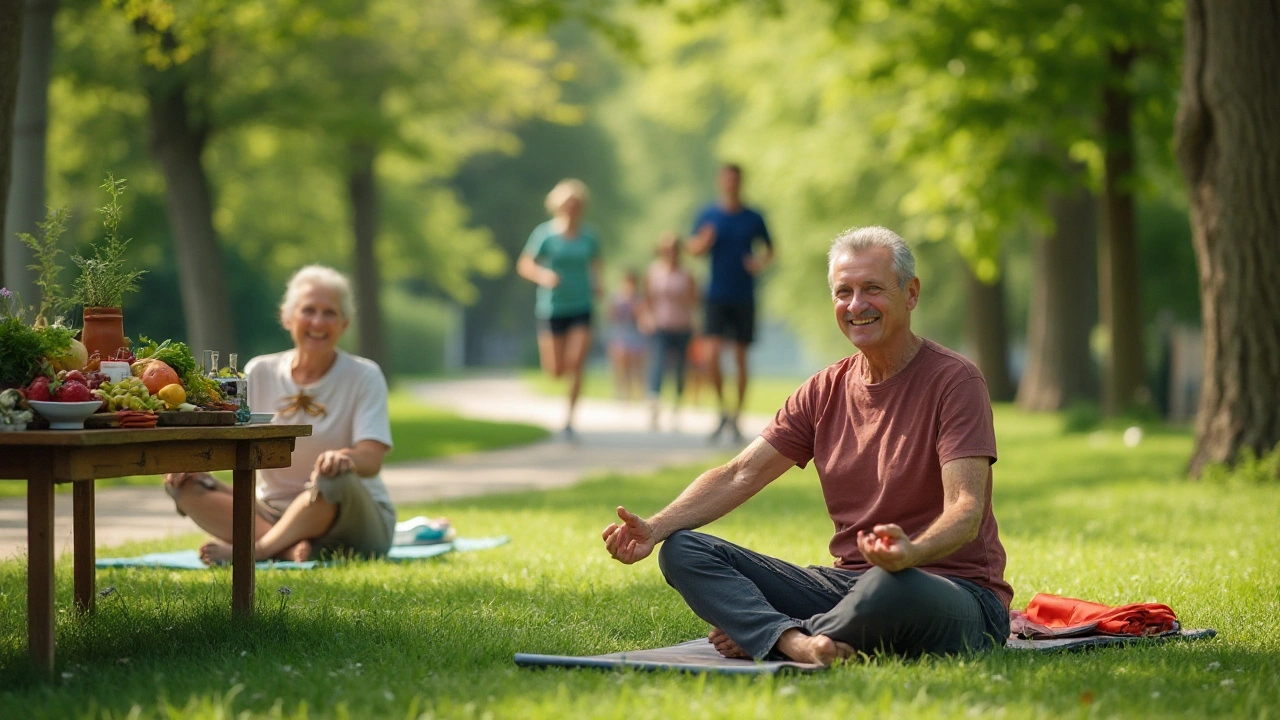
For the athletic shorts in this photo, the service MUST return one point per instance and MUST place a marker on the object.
(362, 526)
(731, 321)
(562, 324)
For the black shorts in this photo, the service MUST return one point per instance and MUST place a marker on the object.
(561, 325)
(732, 321)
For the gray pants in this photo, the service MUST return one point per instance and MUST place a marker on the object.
(755, 598)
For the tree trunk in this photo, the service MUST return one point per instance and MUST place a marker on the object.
(178, 145)
(988, 334)
(26, 203)
(1063, 312)
(362, 185)
(10, 55)
(1228, 146)
(1125, 378)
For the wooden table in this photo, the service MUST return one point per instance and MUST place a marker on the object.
(46, 457)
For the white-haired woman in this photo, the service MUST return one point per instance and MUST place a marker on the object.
(562, 257)
(331, 499)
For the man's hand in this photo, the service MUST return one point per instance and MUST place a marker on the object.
(887, 547)
(630, 541)
(753, 264)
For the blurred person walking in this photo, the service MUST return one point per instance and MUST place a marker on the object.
(562, 257)
(627, 342)
(670, 297)
(729, 230)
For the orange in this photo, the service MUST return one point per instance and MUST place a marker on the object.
(157, 374)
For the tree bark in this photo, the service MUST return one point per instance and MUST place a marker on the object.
(177, 143)
(1228, 146)
(988, 334)
(10, 56)
(1125, 378)
(362, 185)
(1063, 311)
(26, 195)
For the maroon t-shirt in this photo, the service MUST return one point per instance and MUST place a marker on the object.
(880, 448)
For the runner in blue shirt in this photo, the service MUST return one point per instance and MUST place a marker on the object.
(731, 233)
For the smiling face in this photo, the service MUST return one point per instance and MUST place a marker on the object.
(316, 323)
(872, 310)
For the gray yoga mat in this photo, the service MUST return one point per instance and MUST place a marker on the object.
(698, 656)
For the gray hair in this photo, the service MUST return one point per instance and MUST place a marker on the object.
(563, 191)
(322, 277)
(856, 240)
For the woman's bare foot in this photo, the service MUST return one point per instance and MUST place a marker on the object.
(300, 552)
(818, 649)
(215, 552)
(725, 646)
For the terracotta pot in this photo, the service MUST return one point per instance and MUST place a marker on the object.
(103, 331)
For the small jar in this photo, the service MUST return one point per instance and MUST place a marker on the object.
(114, 370)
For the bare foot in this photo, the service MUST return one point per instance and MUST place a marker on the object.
(726, 646)
(300, 552)
(818, 649)
(215, 552)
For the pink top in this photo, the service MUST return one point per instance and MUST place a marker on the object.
(879, 449)
(671, 297)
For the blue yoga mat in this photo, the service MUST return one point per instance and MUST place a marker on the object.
(190, 559)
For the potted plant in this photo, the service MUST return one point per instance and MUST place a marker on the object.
(104, 281)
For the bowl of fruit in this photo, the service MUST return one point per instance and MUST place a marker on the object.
(66, 399)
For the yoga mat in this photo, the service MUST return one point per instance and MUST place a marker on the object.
(699, 656)
(190, 559)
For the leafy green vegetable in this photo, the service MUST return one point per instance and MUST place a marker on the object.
(201, 390)
(174, 354)
(21, 350)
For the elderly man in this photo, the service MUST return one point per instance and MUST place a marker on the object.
(902, 437)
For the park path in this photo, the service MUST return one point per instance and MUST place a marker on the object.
(613, 437)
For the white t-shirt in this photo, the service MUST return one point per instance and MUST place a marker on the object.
(354, 396)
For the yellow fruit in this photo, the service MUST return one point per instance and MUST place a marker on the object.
(75, 357)
(172, 394)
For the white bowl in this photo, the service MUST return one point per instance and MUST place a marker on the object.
(65, 415)
(261, 417)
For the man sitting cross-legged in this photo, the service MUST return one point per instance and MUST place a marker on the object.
(903, 440)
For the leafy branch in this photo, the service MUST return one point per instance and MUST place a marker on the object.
(45, 252)
(103, 280)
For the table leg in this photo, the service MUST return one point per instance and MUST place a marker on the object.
(243, 511)
(84, 517)
(40, 616)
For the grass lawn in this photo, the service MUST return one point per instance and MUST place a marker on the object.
(1081, 515)
(420, 431)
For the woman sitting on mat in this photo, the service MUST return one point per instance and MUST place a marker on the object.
(331, 499)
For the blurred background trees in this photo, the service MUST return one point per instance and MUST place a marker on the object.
(1025, 148)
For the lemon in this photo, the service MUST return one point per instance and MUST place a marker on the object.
(172, 394)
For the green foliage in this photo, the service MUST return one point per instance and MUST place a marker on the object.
(21, 350)
(201, 389)
(104, 281)
(45, 251)
(1250, 468)
(174, 354)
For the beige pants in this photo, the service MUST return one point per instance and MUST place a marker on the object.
(362, 527)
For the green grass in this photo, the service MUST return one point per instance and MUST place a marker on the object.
(1080, 514)
(764, 394)
(420, 431)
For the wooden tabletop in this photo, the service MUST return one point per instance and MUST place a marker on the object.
(122, 436)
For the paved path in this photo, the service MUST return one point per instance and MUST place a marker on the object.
(613, 436)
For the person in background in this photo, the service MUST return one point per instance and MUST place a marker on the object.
(627, 343)
(562, 257)
(331, 500)
(729, 232)
(670, 298)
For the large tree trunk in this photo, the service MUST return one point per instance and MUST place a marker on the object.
(177, 144)
(1063, 311)
(362, 185)
(1228, 145)
(26, 205)
(10, 53)
(988, 334)
(1125, 378)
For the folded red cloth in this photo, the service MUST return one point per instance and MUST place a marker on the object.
(1062, 613)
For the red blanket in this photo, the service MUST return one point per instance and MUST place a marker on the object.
(1054, 616)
